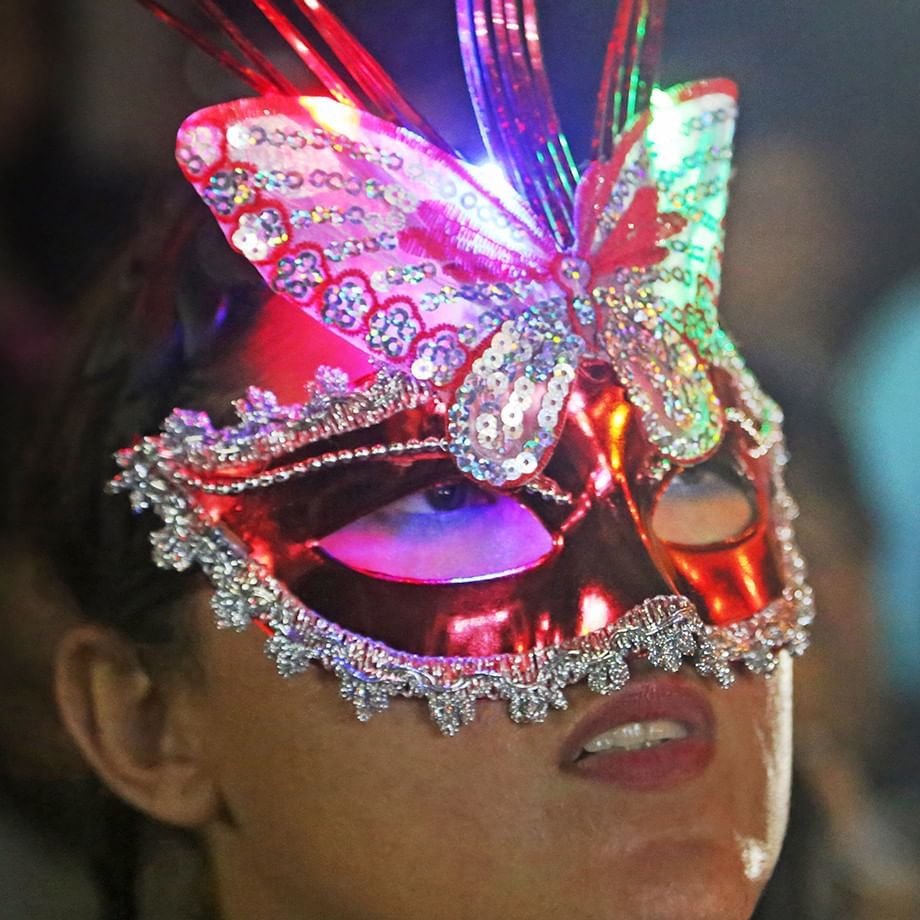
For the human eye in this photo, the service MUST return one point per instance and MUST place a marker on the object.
(450, 532)
(704, 505)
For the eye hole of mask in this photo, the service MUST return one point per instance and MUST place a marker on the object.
(704, 505)
(448, 533)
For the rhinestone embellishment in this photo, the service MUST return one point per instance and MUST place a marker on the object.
(665, 631)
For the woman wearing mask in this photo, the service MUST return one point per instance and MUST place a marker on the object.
(475, 463)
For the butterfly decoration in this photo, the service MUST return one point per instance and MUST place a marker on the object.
(493, 293)
(478, 295)
(431, 267)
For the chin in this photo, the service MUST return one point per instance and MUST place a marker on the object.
(690, 880)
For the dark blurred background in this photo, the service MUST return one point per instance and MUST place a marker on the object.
(822, 290)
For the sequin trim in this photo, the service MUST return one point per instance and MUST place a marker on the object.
(405, 252)
(268, 430)
(666, 631)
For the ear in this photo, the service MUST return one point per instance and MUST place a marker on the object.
(143, 736)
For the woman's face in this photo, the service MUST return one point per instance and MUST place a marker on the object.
(326, 817)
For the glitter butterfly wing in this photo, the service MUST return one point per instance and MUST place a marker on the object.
(393, 243)
(650, 226)
(401, 249)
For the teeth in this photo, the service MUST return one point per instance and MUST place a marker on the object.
(634, 736)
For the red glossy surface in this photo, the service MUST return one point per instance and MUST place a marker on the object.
(605, 559)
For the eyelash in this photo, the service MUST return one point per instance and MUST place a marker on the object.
(457, 493)
(410, 538)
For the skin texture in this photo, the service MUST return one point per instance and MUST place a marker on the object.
(307, 814)
(326, 817)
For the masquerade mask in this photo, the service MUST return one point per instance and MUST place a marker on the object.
(560, 461)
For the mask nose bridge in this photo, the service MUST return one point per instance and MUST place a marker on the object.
(604, 424)
(608, 556)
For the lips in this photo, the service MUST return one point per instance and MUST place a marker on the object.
(658, 732)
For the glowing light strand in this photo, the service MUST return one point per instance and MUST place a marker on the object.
(366, 71)
(558, 145)
(246, 47)
(514, 107)
(630, 70)
(308, 55)
(533, 101)
(259, 82)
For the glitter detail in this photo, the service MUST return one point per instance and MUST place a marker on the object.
(509, 408)
(665, 631)
(258, 234)
(383, 281)
(331, 381)
(299, 275)
(575, 272)
(346, 303)
(326, 461)
(438, 357)
(393, 328)
(228, 190)
(304, 185)
(664, 377)
(268, 430)
(548, 489)
(198, 148)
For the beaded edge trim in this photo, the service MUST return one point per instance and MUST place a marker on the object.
(666, 630)
(267, 430)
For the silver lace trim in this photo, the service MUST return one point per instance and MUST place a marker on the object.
(666, 631)
(268, 430)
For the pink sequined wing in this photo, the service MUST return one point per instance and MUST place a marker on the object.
(650, 226)
(393, 243)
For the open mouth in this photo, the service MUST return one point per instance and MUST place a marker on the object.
(653, 734)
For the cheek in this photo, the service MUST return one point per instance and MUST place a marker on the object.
(709, 850)
(390, 819)
(342, 815)
(757, 744)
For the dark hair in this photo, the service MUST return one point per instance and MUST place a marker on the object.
(153, 334)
